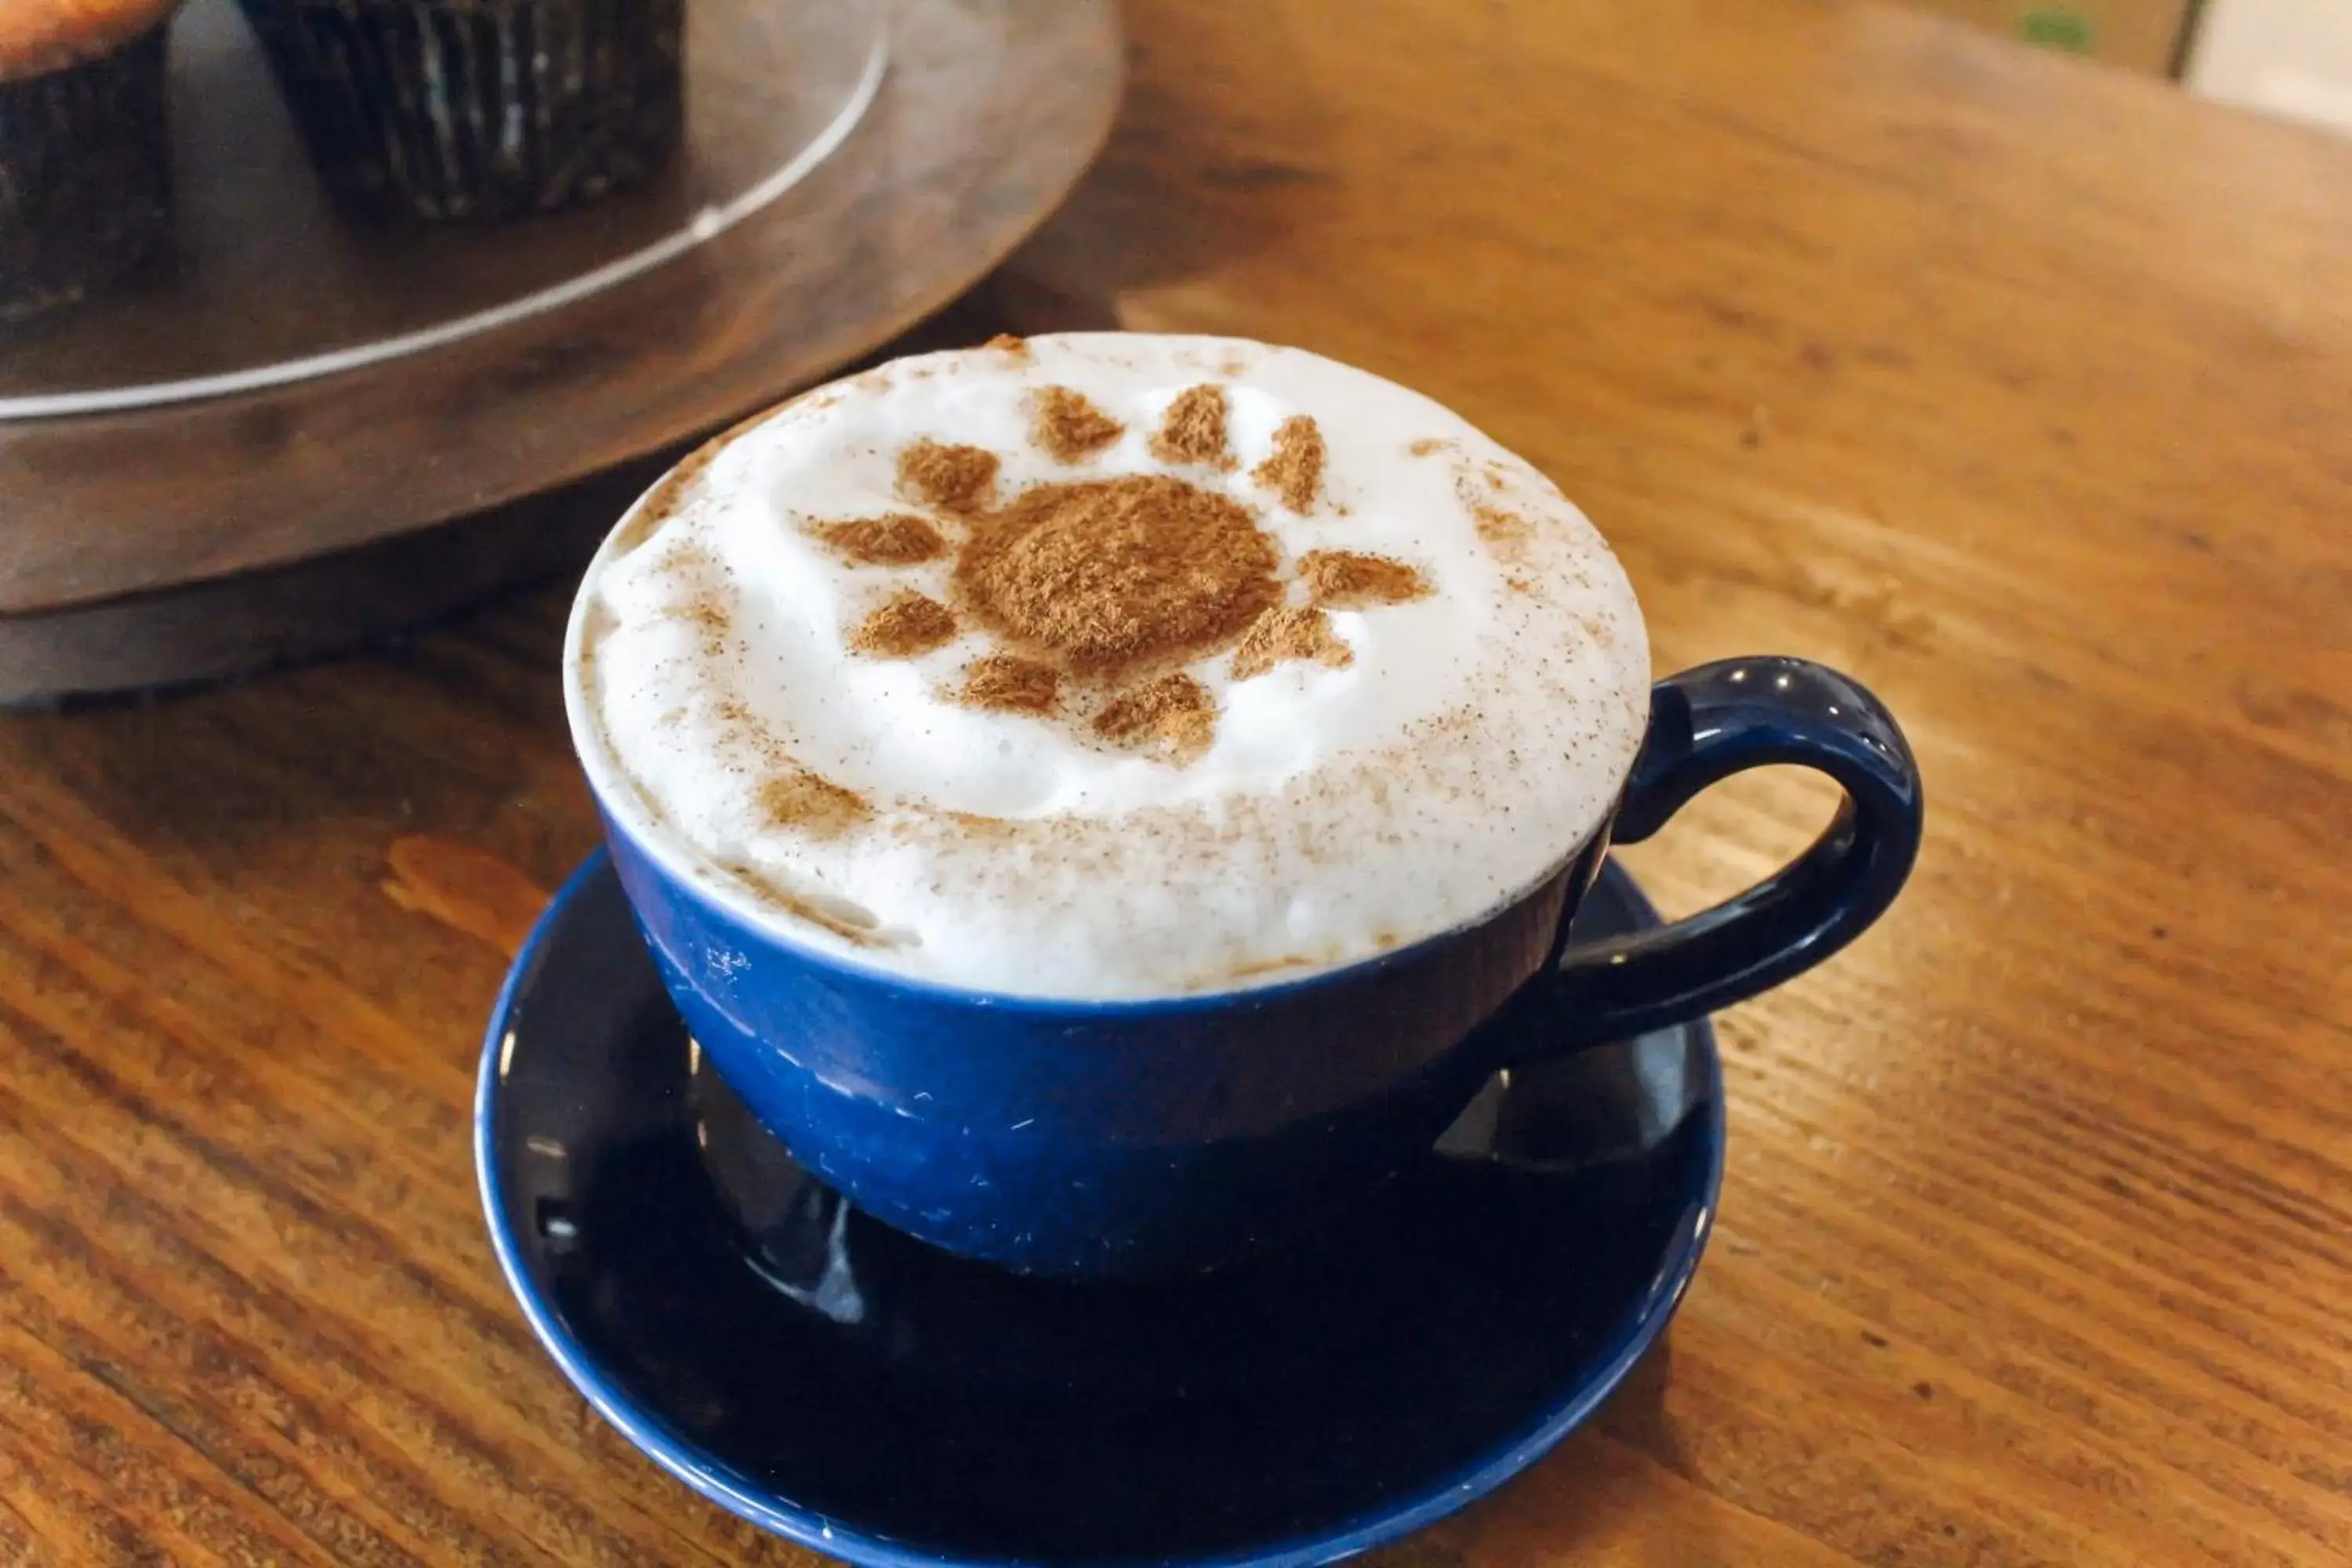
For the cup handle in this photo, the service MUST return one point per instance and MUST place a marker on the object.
(1706, 725)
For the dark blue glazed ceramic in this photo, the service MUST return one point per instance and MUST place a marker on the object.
(832, 1379)
(1137, 1138)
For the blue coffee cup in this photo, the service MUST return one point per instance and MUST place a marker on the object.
(1130, 1138)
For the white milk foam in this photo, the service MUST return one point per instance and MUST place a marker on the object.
(1478, 737)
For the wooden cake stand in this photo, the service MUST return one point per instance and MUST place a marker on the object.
(411, 465)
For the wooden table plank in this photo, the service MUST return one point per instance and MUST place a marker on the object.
(2023, 390)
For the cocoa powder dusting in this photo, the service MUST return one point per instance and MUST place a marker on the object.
(853, 925)
(807, 801)
(900, 539)
(1175, 715)
(671, 489)
(1008, 683)
(1010, 344)
(953, 478)
(1114, 574)
(708, 617)
(1426, 445)
(1294, 471)
(908, 624)
(1503, 530)
(1194, 428)
(1258, 966)
(1346, 580)
(1067, 426)
(1282, 635)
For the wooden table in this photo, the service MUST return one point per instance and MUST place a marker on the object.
(2021, 389)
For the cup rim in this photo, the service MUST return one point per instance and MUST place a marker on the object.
(680, 878)
(686, 868)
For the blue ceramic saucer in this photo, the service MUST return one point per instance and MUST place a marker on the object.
(833, 1381)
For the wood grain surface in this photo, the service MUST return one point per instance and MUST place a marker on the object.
(2021, 389)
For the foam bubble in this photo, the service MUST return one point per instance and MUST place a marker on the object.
(1405, 758)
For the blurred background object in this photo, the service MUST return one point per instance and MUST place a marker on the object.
(2139, 35)
(2291, 58)
(85, 157)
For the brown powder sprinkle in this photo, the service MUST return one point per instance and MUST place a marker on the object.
(1175, 715)
(1505, 531)
(1194, 428)
(805, 800)
(1294, 471)
(1010, 344)
(845, 919)
(708, 617)
(1098, 593)
(1112, 575)
(953, 478)
(1426, 446)
(1258, 966)
(1282, 635)
(907, 626)
(1007, 683)
(900, 539)
(1345, 580)
(1067, 426)
(671, 489)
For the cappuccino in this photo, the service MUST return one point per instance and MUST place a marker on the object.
(1108, 667)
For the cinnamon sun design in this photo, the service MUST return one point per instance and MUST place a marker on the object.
(1097, 593)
